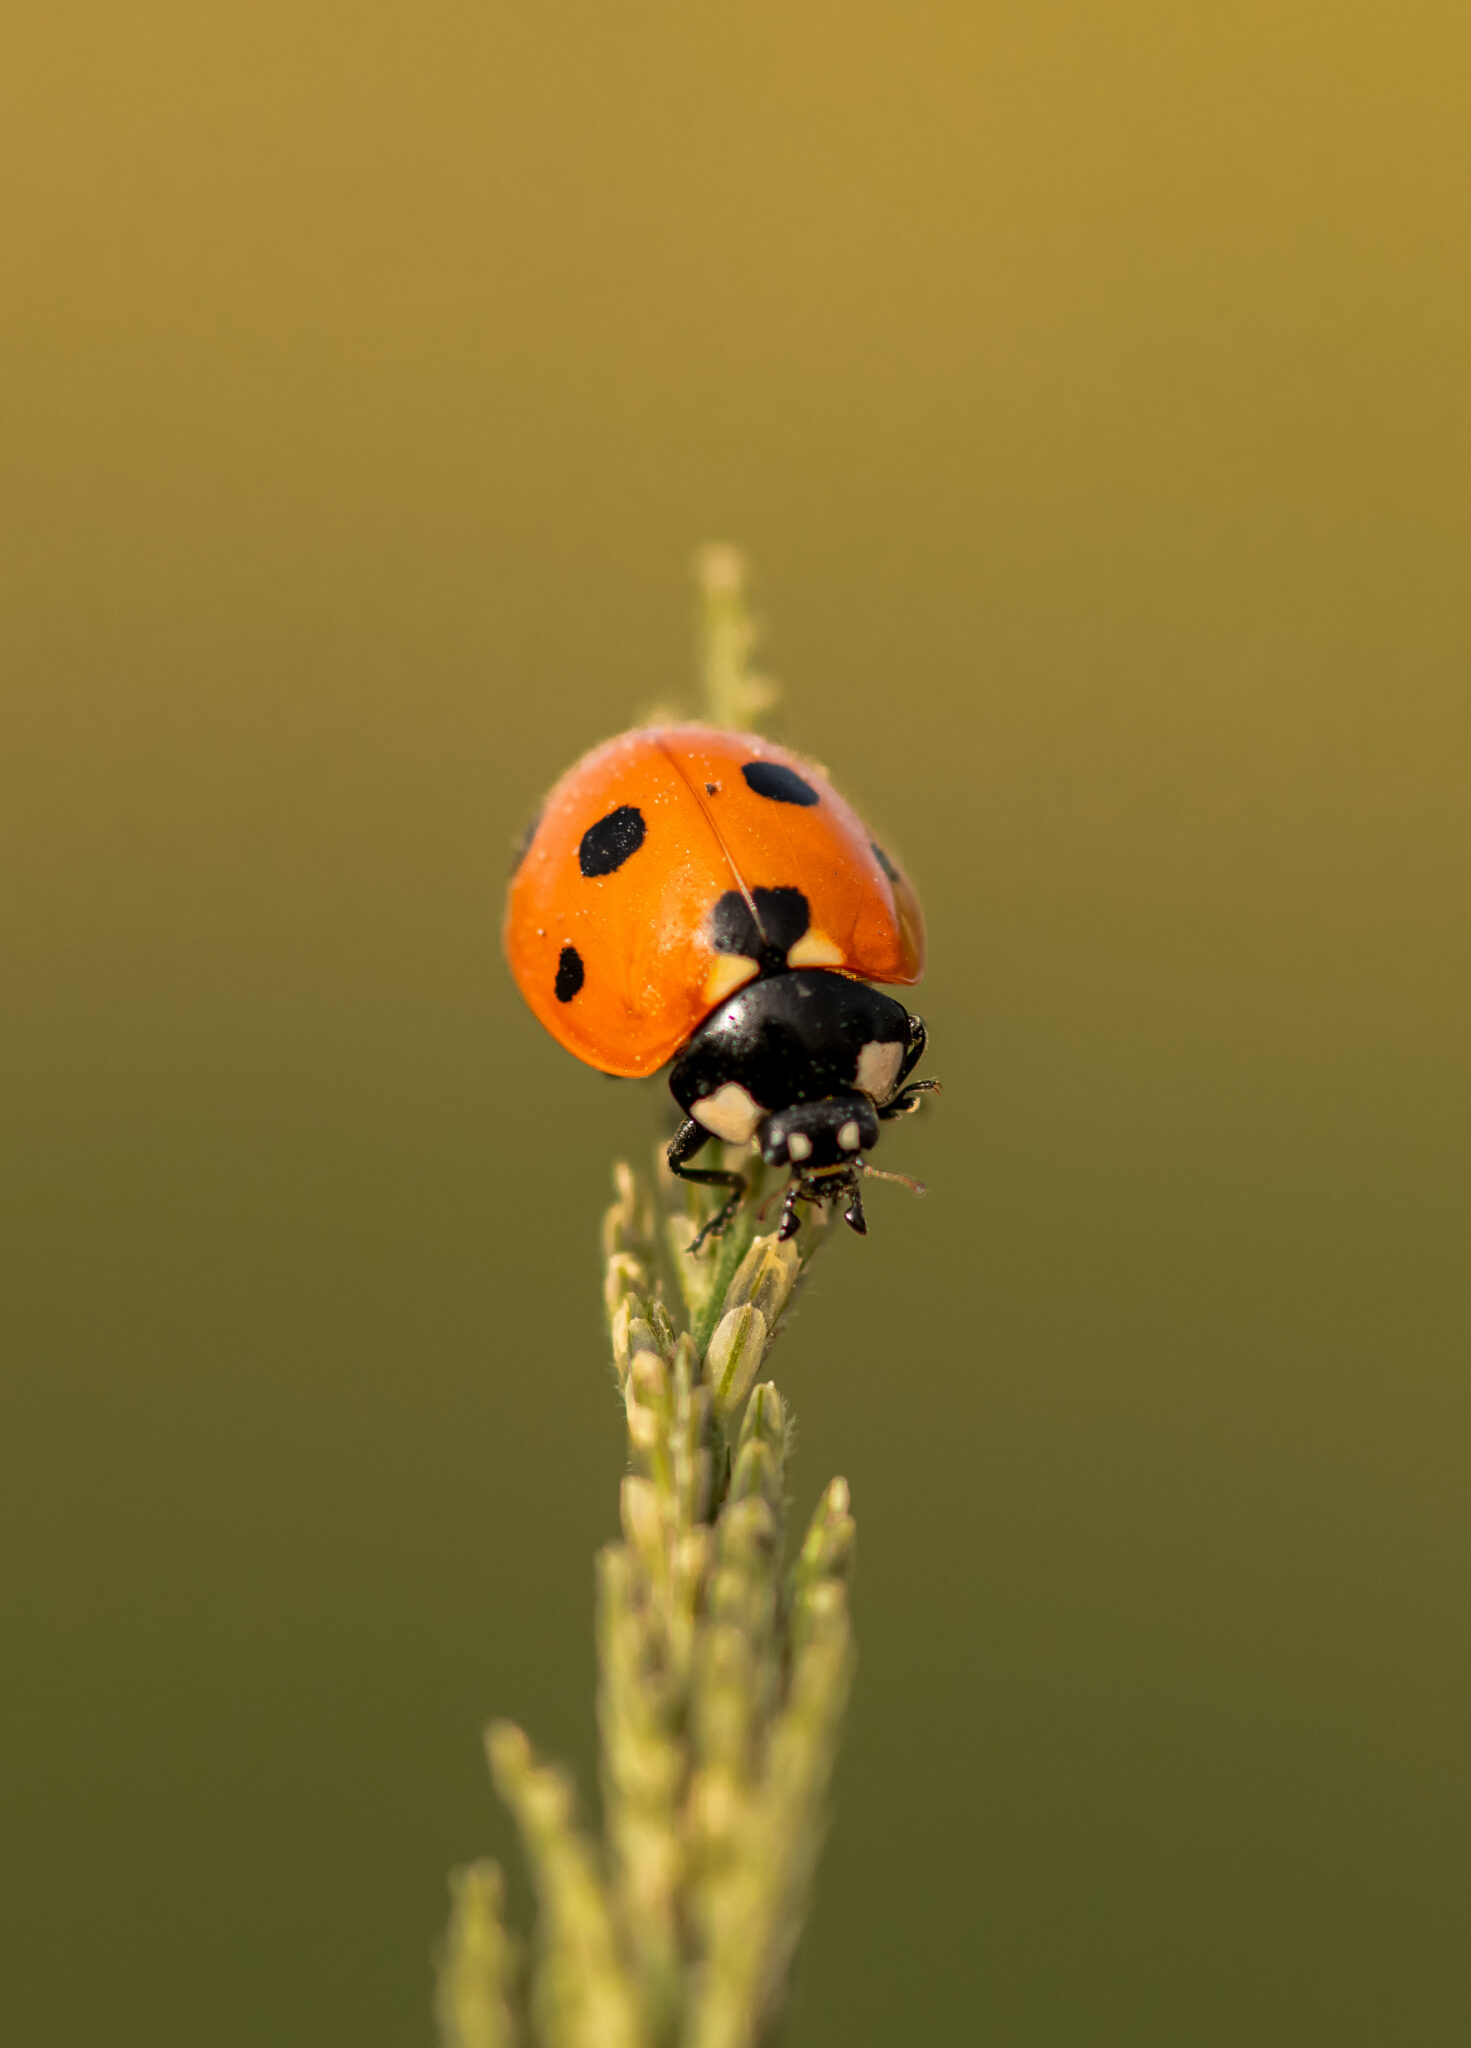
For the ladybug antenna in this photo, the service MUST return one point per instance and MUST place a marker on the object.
(915, 1187)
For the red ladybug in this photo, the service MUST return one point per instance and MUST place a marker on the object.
(709, 897)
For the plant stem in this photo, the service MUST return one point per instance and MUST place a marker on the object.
(722, 1676)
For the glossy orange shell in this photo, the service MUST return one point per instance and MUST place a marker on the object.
(650, 972)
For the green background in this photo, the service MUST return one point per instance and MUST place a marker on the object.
(1089, 383)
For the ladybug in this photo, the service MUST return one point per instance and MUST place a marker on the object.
(708, 898)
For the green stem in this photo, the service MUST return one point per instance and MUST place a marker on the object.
(733, 695)
(722, 1678)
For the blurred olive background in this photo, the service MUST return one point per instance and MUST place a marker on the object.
(1089, 384)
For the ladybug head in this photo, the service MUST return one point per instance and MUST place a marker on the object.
(811, 1136)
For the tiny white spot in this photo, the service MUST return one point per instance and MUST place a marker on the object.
(799, 1147)
(732, 1113)
(849, 1135)
(815, 949)
(878, 1068)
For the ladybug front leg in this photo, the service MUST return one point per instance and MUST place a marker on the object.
(685, 1143)
(791, 1222)
(905, 1102)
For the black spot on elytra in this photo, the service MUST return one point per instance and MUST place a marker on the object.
(781, 917)
(607, 845)
(712, 789)
(783, 785)
(523, 844)
(883, 860)
(569, 975)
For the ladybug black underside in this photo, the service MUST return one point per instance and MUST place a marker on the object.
(808, 1063)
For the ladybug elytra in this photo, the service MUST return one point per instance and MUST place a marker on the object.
(708, 898)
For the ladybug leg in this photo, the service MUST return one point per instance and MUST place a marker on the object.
(791, 1222)
(906, 1101)
(914, 1050)
(685, 1143)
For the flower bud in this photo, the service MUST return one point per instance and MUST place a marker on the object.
(734, 1355)
(766, 1277)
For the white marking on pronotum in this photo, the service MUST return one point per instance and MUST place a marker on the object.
(730, 972)
(732, 1113)
(798, 1146)
(878, 1068)
(815, 949)
(849, 1135)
